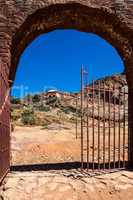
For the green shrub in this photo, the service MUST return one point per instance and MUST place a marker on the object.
(28, 98)
(68, 109)
(15, 100)
(36, 98)
(65, 110)
(45, 125)
(14, 116)
(28, 117)
(53, 101)
(44, 108)
(73, 119)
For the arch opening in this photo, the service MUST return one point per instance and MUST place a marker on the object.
(75, 16)
(53, 93)
(110, 20)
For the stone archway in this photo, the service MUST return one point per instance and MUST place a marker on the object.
(72, 16)
(22, 21)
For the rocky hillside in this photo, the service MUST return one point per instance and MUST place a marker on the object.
(118, 80)
(44, 109)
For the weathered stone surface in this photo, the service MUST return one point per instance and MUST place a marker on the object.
(23, 20)
(47, 185)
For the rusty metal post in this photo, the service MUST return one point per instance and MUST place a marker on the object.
(109, 113)
(87, 96)
(104, 126)
(99, 124)
(114, 135)
(88, 138)
(76, 118)
(82, 117)
(119, 131)
(124, 127)
(93, 128)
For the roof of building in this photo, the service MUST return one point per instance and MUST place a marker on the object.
(51, 91)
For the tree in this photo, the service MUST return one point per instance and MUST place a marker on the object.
(15, 100)
(28, 117)
(36, 98)
(53, 101)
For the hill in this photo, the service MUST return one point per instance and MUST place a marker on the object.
(48, 108)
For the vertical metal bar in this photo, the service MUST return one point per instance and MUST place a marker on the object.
(99, 125)
(87, 96)
(109, 113)
(124, 127)
(129, 121)
(119, 132)
(82, 104)
(114, 137)
(76, 117)
(87, 134)
(104, 126)
(93, 129)
(127, 112)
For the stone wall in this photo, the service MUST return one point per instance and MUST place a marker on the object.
(23, 20)
(14, 13)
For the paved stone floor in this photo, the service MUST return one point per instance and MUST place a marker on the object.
(67, 186)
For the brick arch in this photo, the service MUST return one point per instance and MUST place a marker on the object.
(100, 21)
(23, 20)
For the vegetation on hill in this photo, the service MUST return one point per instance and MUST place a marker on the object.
(42, 110)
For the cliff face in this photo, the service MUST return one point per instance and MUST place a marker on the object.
(116, 84)
(118, 80)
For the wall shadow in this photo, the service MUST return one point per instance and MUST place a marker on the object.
(64, 166)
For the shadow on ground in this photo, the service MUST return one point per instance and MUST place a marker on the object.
(63, 166)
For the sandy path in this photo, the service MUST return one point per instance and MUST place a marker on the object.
(35, 145)
(32, 145)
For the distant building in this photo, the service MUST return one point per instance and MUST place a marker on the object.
(53, 93)
(58, 94)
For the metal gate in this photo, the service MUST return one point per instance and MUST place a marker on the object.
(4, 122)
(104, 124)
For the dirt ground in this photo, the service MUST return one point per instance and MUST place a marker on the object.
(58, 186)
(34, 145)
(58, 144)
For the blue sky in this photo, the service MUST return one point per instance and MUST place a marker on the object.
(54, 60)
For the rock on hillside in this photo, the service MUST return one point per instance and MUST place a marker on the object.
(117, 84)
